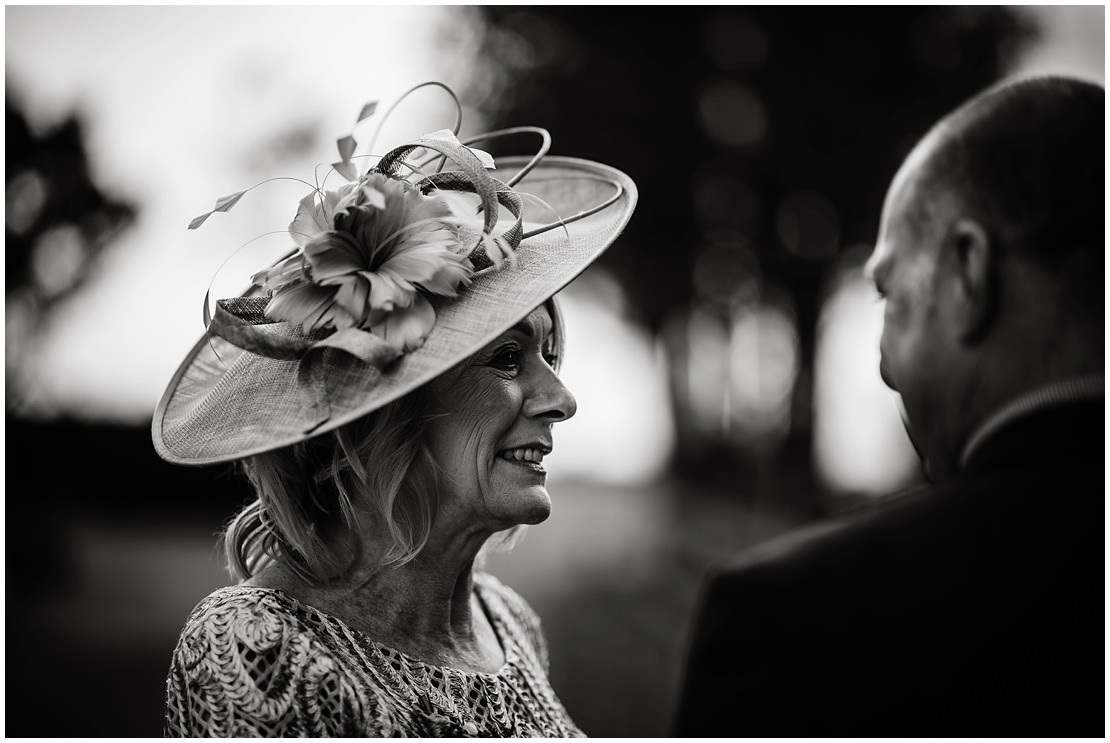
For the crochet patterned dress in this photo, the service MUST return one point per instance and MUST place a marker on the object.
(254, 662)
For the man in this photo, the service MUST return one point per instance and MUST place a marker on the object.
(973, 606)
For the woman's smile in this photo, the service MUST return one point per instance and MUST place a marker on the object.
(527, 458)
(496, 430)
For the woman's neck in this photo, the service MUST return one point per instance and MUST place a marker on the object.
(425, 608)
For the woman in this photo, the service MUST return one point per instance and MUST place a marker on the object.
(390, 391)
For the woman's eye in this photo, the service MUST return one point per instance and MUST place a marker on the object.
(508, 358)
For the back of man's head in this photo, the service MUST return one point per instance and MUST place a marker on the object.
(991, 257)
(1026, 161)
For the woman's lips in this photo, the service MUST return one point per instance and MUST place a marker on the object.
(522, 454)
(527, 457)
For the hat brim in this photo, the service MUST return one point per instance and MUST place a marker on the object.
(225, 403)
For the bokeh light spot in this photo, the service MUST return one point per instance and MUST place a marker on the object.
(58, 259)
(726, 272)
(619, 379)
(732, 114)
(763, 367)
(25, 199)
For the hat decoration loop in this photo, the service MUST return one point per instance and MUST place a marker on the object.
(472, 177)
(373, 252)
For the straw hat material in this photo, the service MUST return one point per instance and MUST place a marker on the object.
(225, 403)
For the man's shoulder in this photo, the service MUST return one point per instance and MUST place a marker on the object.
(853, 534)
(1011, 521)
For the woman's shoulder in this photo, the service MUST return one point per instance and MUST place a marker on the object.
(244, 659)
(256, 617)
(257, 630)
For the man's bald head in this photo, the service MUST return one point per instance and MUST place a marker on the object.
(991, 258)
(1026, 161)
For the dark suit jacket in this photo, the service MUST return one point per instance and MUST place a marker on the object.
(970, 610)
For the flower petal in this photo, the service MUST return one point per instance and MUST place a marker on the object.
(407, 328)
(353, 293)
(299, 302)
(386, 293)
(335, 315)
(420, 263)
(287, 271)
(374, 197)
(338, 202)
(497, 249)
(451, 275)
(310, 221)
(334, 254)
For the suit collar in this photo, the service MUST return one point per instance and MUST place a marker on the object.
(1042, 420)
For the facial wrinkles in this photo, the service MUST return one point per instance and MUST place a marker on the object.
(484, 403)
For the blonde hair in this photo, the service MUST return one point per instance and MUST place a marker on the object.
(308, 493)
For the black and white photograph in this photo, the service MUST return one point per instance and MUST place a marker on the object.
(555, 371)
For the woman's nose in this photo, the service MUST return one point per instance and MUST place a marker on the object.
(550, 399)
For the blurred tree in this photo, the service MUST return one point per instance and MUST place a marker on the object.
(762, 140)
(69, 481)
(57, 221)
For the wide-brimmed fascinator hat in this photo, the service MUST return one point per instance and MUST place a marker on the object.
(397, 275)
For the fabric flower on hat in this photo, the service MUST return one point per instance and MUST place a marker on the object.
(370, 251)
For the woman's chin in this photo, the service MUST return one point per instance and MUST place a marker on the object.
(527, 507)
(538, 514)
(517, 493)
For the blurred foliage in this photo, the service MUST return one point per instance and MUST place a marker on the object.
(49, 186)
(762, 140)
(57, 222)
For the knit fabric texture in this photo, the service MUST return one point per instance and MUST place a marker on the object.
(254, 662)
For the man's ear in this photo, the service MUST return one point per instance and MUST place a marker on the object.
(974, 258)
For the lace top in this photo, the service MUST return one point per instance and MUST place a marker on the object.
(256, 662)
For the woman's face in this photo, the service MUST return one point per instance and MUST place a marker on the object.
(498, 409)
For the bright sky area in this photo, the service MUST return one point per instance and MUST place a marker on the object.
(185, 104)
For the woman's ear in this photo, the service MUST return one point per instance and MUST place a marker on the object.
(973, 263)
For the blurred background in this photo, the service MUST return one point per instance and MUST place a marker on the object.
(723, 353)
